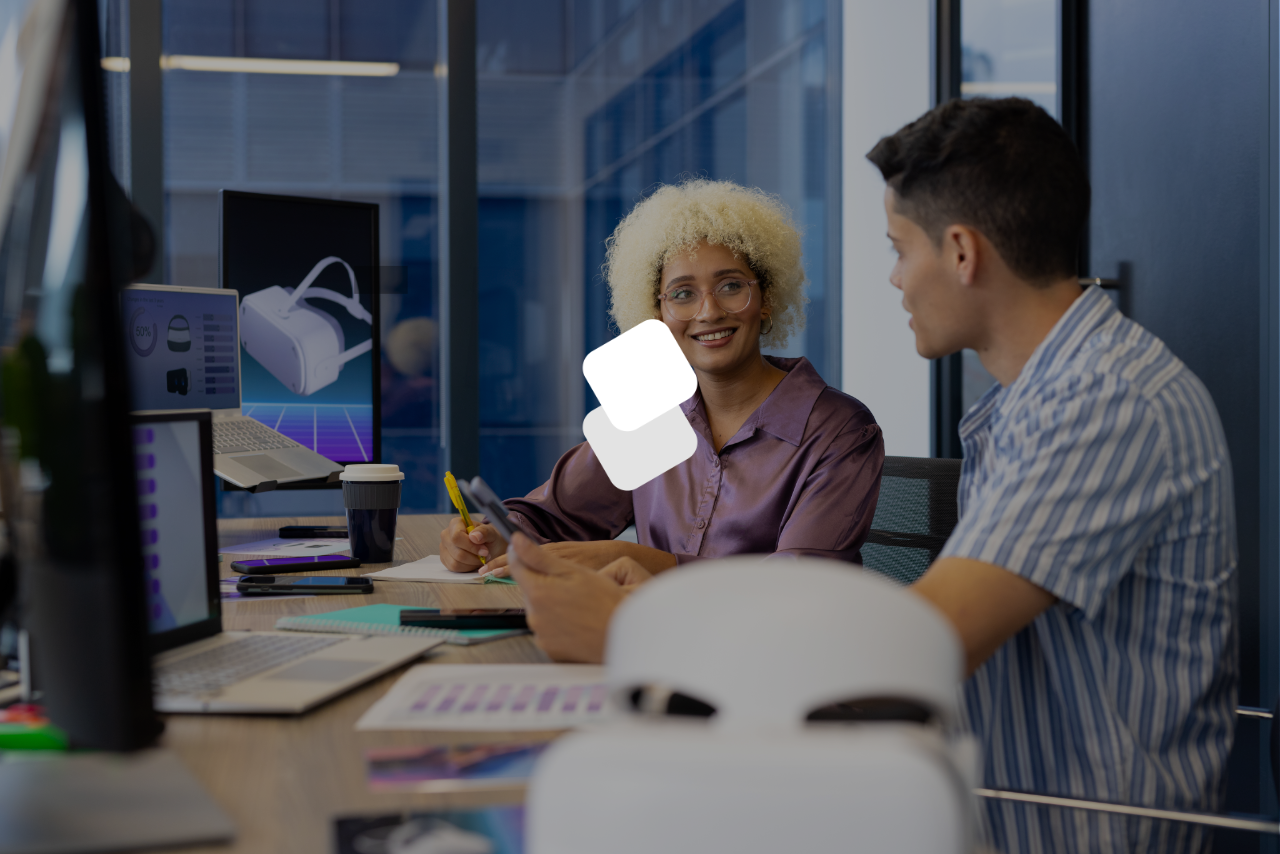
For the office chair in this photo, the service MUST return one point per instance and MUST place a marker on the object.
(916, 513)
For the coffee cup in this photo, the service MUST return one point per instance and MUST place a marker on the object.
(371, 494)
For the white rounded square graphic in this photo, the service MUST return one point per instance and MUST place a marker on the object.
(639, 375)
(632, 458)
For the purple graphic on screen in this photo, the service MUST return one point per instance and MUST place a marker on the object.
(145, 461)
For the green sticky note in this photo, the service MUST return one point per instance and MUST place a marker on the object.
(31, 737)
(493, 579)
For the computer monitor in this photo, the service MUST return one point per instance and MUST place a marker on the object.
(173, 452)
(67, 463)
(313, 375)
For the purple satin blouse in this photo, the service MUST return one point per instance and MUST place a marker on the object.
(800, 477)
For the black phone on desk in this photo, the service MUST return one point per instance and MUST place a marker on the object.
(464, 618)
(313, 532)
(265, 585)
(486, 501)
(311, 563)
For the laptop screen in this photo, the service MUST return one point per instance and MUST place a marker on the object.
(182, 348)
(174, 461)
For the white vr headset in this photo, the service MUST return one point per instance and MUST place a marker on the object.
(834, 695)
(302, 347)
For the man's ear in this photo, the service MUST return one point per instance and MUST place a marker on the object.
(960, 248)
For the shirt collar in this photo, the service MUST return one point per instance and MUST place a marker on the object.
(1086, 315)
(785, 412)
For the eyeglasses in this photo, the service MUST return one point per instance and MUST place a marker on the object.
(684, 302)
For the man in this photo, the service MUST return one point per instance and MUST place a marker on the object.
(1091, 578)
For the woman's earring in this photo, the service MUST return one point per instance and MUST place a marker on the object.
(764, 331)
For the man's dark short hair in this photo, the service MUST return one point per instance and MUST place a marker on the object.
(1003, 167)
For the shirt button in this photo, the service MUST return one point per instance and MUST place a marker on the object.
(701, 523)
(715, 462)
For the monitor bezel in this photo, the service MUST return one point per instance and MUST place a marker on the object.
(375, 380)
(212, 625)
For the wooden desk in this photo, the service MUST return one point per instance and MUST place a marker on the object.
(284, 779)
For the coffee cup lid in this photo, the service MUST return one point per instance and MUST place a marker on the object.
(372, 472)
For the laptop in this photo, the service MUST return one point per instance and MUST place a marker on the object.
(197, 666)
(184, 353)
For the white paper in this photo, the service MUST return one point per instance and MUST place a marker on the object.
(277, 547)
(493, 697)
(429, 568)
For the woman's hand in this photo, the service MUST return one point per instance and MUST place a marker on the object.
(461, 552)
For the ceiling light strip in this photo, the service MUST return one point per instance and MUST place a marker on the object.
(256, 65)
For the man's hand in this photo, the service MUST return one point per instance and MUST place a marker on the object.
(626, 573)
(986, 604)
(569, 605)
(461, 552)
(598, 554)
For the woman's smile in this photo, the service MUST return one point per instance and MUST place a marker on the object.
(714, 337)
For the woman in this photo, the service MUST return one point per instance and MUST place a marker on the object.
(784, 464)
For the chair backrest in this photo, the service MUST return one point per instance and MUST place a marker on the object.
(916, 513)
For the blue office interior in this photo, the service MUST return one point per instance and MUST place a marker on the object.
(543, 214)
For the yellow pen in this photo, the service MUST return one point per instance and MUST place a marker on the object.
(451, 484)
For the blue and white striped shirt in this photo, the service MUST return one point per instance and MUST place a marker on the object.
(1101, 475)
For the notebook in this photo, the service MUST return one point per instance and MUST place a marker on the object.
(385, 620)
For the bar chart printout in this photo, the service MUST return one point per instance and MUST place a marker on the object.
(493, 697)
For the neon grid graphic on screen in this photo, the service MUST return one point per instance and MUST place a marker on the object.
(306, 359)
(342, 433)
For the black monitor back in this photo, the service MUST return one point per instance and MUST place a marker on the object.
(67, 467)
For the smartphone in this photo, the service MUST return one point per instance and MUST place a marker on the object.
(313, 532)
(486, 501)
(464, 618)
(294, 564)
(258, 585)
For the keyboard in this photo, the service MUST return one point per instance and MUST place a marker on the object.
(233, 435)
(210, 671)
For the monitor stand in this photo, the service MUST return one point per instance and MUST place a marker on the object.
(58, 803)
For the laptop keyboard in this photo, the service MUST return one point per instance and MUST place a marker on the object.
(210, 671)
(233, 435)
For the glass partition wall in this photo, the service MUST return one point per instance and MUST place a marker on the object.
(584, 106)
(1008, 48)
(639, 94)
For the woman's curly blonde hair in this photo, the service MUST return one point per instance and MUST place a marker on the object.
(754, 225)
